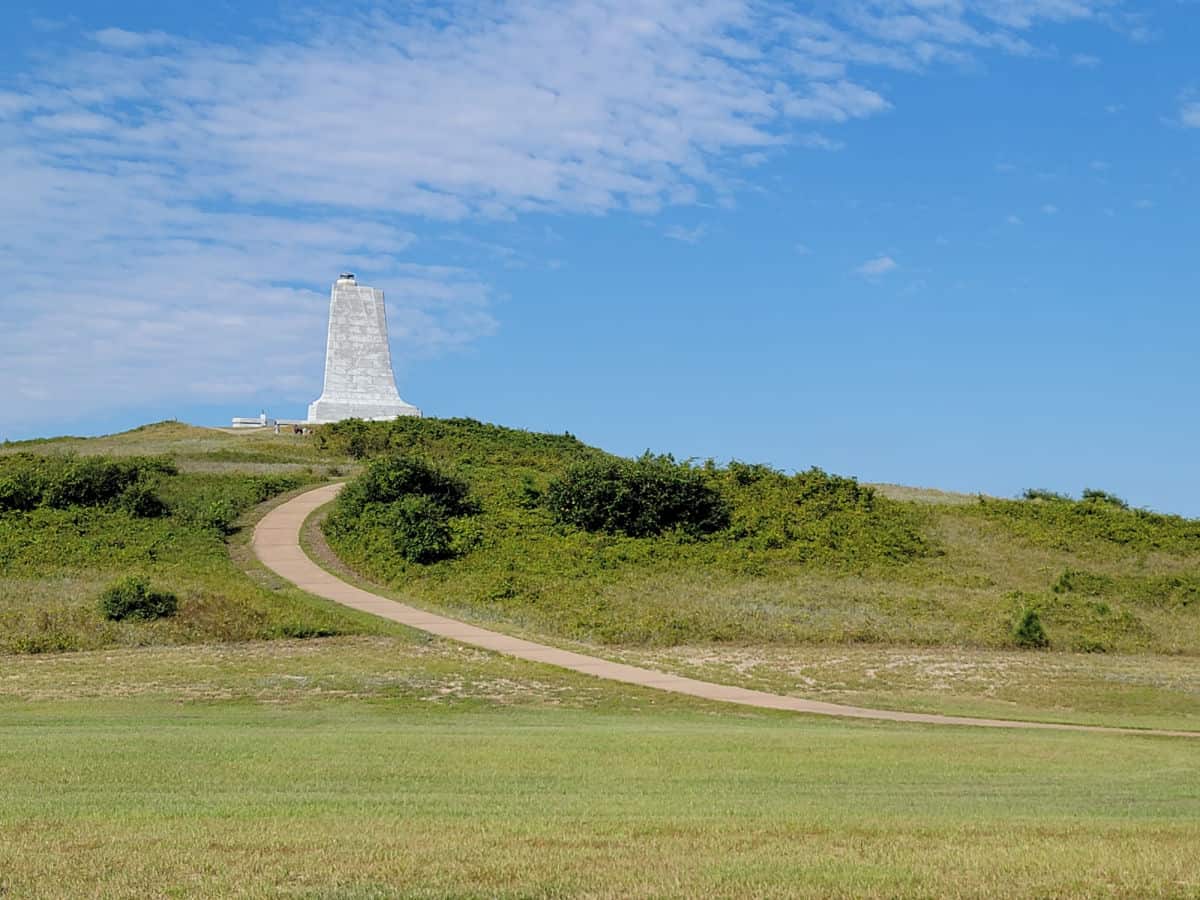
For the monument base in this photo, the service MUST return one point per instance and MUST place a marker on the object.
(322, 412)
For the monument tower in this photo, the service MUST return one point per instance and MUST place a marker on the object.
(358, 364)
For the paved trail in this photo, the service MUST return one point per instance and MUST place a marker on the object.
(277, 545)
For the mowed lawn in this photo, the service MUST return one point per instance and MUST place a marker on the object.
(374, 767)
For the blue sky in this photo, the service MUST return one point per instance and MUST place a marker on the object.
(938, 243)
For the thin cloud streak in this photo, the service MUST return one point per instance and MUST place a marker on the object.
(874, 268)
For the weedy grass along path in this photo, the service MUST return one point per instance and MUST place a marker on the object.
(276, 542)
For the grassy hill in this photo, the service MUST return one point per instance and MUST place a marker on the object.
(803, 560)
(806, 559)
(57, 555)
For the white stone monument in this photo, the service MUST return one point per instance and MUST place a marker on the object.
(359, 382)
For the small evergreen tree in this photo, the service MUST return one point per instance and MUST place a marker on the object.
(1028, 630)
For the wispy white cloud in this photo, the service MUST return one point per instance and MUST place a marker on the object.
(172, 218)
(1049, 209)
(1014, 220)
(816, 141)
(874, 268)
(120, 39)
(1189, 114)
(686, 235)
(1085, 60)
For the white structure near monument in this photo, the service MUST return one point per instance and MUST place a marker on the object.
(359, 383)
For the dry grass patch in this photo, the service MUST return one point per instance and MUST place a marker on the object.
(1135, 691)
(406, 670)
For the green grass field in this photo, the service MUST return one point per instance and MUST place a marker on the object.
(379, 767)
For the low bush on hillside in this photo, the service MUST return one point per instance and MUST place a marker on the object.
(1044, 494)
(1098, 521)
(1178, 591)
(1090, 495)
(821, 517)
(458, 441)
(392, 478)
(214, 502)
(141, 499)
(1077, 581)
(407, 502)
(133, 598)
(638, 498)
(1093, 495)
(28, 481)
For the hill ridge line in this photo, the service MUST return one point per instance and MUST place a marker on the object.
(276, 543)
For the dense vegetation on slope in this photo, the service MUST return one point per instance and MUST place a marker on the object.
(542, 532)
(797, 558)
(73, 525)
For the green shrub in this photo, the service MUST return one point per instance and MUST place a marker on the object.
(1043, 494)
(638, 498)
(219, 514)
(1165, 591)
(60, 482)
(141, 499)
(419, 528)
(442, 439)
(1079, 525)
(356, 438)
(20, 490)
(1028, 631)
(822, 518)
(528, 494)
(91, 481)
(393, 477)
(1080, 582)
(1091, 495)
(743, 474)
(215, 502)
(1178, 591)
(133, 598)
(823, 493)
(407, 503)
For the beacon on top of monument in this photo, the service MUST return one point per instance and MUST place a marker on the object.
(359, 382)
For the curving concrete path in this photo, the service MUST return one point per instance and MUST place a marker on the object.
(277, 544)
